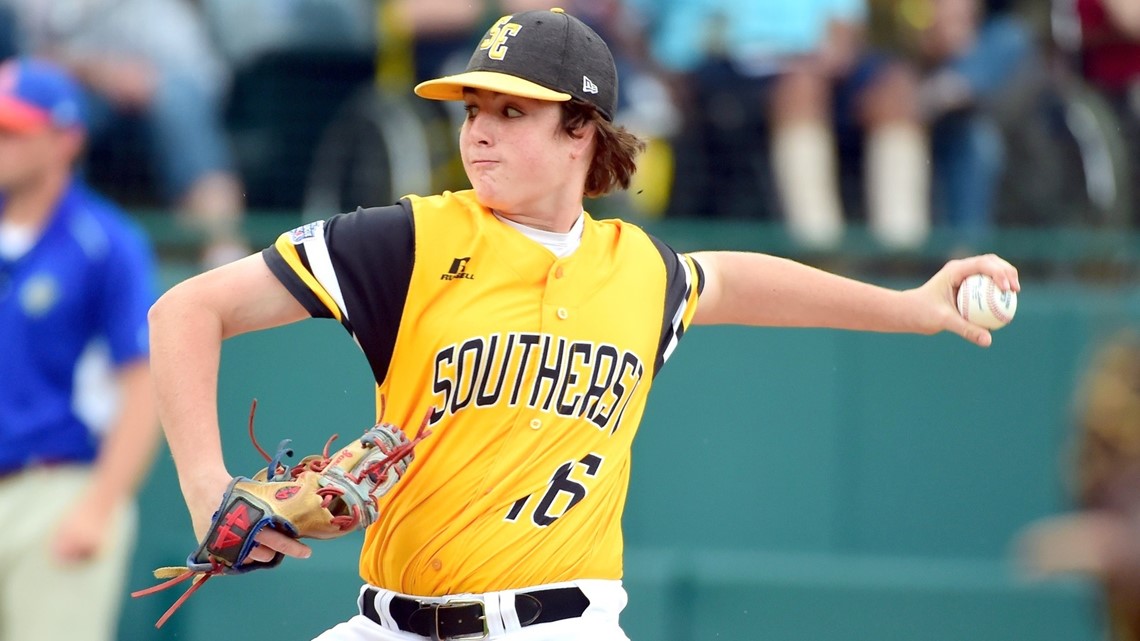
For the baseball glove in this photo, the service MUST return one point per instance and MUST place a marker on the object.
(321, 497)
(1102, 539)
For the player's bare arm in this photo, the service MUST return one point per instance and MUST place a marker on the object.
(187, 327)
(740, 289)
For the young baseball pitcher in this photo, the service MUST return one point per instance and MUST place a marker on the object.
(527, 333)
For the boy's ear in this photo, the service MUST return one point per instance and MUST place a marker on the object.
(583, 138)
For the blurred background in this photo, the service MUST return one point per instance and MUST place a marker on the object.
(787, 484)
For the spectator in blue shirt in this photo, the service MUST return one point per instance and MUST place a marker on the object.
(78, 426)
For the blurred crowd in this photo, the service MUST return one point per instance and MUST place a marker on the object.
(900, 115)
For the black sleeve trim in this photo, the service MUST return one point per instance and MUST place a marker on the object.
(294, 284)
(676, 294)
(373, 254)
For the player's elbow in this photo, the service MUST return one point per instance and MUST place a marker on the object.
(181, 309)
(165, 307)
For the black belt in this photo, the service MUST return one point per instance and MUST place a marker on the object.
(466, 619)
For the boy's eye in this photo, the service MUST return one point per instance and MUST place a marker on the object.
(512, 112)
(471, 110)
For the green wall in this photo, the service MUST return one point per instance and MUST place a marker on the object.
(787, 484)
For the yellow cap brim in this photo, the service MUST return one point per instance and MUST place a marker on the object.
(451, 87)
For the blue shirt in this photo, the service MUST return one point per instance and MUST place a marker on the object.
(683, 33)
(85, 286)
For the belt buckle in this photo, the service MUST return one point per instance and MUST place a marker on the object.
(459, 604)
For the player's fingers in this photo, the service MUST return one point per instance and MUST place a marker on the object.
(260, 554)
(997, 268)
(271, 542)
(979, 336)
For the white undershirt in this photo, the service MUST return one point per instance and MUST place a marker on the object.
(560, 244)
(15, 240)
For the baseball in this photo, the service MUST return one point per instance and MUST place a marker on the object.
(981, 302)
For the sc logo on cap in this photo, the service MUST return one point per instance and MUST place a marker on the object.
(497, 37)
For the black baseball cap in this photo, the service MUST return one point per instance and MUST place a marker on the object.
(546, 55)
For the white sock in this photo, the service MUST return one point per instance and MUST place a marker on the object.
(804, 163)
(898, 185)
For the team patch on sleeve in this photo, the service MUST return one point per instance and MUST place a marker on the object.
(306, 270)
(308, 230)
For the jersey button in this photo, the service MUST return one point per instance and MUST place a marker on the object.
(436, 565)
(558, 272)
(535, 424)
(563, 314)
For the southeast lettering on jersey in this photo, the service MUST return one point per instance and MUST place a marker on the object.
(575, 379)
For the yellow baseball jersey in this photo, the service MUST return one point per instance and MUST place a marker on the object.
(535, 370)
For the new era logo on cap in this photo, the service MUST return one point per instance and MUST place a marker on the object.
(546, 55)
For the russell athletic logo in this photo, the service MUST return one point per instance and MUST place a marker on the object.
(458, 270)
